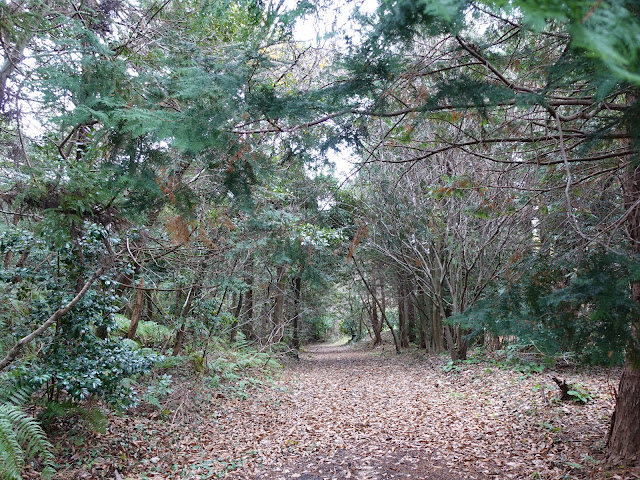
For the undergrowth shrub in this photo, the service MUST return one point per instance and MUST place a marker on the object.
(90, 415)
(233, 369)
(157, 390)
(561, 307)
(148, 333)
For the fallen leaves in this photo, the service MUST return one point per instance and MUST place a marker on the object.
(346, 413)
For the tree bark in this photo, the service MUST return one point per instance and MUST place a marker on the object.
(278, 307)
(184, 311)
(137, 311)
(376, 323)
(437, 328)
(180, 334)
(297, 291)
(247, 323)
(236, 316)
(424, 310)
(623, 442)
(411, 313)
(402, 313)
(379, 303)
(149, 304)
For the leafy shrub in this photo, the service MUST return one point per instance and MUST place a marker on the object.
(148, 333)
(561, 308)
(95, 367)
(92, 416)
(580, 394)
(160, 388)
(235, 369)
(451, 366)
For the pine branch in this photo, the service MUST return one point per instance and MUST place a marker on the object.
(552, 102)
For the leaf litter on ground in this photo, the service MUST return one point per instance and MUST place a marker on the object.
(345, 412)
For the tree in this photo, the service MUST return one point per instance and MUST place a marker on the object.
(551, 89)
(123, 140)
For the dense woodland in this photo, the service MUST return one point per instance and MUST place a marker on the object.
(167, 192)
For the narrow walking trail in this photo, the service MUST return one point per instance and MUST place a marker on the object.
(351, 414)
(355, 413)
(347, 413)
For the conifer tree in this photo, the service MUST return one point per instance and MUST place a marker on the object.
(545, 87)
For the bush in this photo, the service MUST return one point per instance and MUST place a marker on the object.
(561, 308)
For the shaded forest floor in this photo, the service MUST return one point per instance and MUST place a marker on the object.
(343, 412)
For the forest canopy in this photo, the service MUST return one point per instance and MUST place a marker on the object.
(167, 189)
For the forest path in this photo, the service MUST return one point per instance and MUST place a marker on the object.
(348, 413)
(355, 413)
(343, 412)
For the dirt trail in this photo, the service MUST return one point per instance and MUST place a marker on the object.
(347, 413)
(352, 414)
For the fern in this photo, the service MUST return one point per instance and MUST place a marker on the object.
(93, 417)
(21, 439)
(17, 395)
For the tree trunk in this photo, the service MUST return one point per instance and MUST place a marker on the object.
(383, 311)
(424, 309)
(462, 344)
(623, 442)
(383, 297)
(396, 342)
(186, 308)
(451, 343)
(297, 288)
(411, 314)
(265, 315)
(149, 302)
(236, 316)
(437, 311)
(137, 311)
(402, 315)
(247, 323)
(278, 307)
(437, 328)
(376, 323)
(422, 322)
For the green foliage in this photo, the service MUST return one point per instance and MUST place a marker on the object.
(22, 439)
(95, 367)
(71, 359)
(580, 394)
(606, 32)
(561, 308)
(161, 387)
(14, 390)
(233, 370)
(451, 366)
(91, 415)
(149, 333)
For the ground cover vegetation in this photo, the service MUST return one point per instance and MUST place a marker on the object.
(171, 225)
